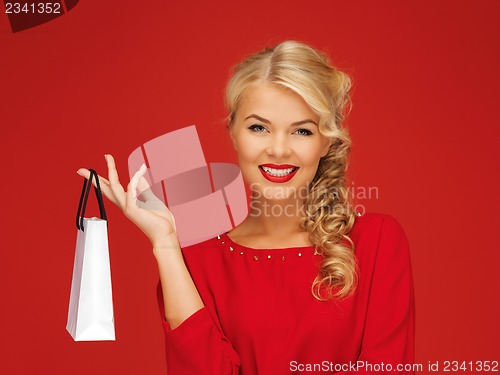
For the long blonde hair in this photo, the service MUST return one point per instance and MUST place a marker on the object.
(328, 212)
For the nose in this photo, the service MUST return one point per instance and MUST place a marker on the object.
(279, 146)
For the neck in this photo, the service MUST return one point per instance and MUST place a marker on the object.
(276, 218)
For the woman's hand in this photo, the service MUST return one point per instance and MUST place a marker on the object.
(150, 214)
(181, 298)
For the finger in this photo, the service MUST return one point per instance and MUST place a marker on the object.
(131, 194)
(134, 181)
(104, 184)
(112, 172)
(114, 182)
(86, 173)
(142, 186)
(148, 196)
(144, 191)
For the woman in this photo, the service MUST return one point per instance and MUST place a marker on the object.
(303, 284)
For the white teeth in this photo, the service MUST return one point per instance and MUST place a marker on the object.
(278, 172)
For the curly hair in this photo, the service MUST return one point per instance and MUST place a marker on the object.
(328, 211)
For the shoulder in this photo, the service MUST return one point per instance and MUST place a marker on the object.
(376, 224)
(378, 235)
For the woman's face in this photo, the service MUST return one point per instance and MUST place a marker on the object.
(279, 146)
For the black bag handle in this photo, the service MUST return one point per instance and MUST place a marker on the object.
(84, 196)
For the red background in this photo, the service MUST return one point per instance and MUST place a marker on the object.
(111, 75)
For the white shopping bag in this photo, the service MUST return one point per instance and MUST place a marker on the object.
(90, 314)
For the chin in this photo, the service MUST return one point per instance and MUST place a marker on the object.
(279, 193)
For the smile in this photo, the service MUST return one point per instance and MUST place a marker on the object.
(278, 173)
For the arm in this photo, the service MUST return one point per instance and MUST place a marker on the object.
(194, 343)
(198, 346)
(180, 296)
(389, 332)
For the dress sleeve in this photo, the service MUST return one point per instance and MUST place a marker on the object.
(389, 334)
(198, 346)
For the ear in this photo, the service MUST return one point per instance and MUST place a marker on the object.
(326, 147)
(233, 140)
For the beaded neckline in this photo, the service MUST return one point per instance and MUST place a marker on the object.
(267, 254)
(264, 254)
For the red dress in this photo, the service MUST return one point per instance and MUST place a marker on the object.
(260, 317)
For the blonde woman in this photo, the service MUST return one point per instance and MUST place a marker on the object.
(303, 284)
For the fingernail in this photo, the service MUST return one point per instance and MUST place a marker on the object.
(78, 173)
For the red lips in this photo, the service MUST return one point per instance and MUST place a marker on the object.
(278, 179)
(279, 166)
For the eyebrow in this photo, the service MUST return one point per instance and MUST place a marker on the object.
(266, 121)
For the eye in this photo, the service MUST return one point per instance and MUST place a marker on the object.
(257, 128)
(303, 131)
